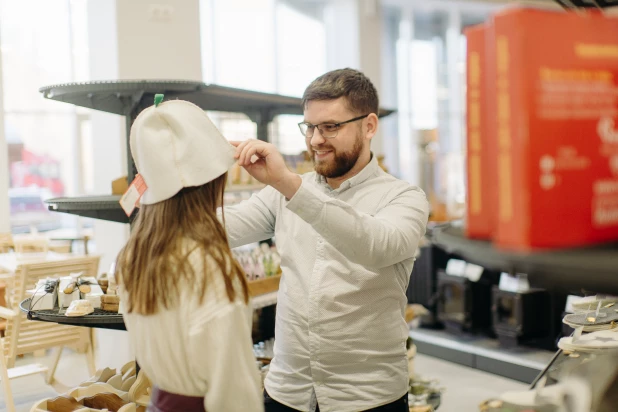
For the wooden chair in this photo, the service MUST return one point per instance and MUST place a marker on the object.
(31, 244)
(60, 246)
(23, 336)
(6, 245)
(6, 242)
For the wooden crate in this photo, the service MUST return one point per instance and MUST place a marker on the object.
(262, 286)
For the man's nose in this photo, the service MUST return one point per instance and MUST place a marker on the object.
(317, 138)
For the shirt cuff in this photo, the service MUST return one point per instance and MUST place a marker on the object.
(307, 202)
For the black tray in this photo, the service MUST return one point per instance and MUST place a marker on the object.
(98, 319)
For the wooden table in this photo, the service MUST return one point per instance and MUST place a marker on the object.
(9, 262)
(72, 236)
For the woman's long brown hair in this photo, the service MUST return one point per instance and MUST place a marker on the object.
(153, 266)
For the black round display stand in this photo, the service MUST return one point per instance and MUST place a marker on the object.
(98, 319)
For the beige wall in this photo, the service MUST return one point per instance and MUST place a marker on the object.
(159, 40)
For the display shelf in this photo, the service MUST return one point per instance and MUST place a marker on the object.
(593, 269)
(522, 364)
(98, 319)
(119, 97)
(96, 207)
(109, 320)
(108, 207)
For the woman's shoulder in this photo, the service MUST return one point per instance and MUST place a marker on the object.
(215, 302)
(213, 271)
(210, 261)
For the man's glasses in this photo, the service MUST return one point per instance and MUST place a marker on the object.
(327, 130)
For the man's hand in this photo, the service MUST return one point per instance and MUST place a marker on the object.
(265, 163)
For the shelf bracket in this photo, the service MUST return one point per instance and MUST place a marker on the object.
(262, 119)
(131, 104)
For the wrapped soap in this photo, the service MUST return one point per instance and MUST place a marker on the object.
(44, 294)
(94, 294)
(67, 284)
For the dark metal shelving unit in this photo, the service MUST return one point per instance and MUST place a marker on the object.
(589, 269)
(96, 207)
(594, 269)
(129, 97)
(107, 207)
(586, 4)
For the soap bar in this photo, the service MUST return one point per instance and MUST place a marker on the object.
(110, 307)
(64, 299)
(42, 301)
(94, 296)
(112, 299)
(79, 307)
(41, 297)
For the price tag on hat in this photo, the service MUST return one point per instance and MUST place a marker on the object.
(134, 193)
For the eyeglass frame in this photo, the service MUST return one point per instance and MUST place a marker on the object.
(317, 126)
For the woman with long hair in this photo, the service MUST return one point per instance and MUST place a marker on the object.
(184, 297)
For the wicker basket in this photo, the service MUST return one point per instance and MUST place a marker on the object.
(263, 286)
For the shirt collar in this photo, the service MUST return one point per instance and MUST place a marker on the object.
(368, 171)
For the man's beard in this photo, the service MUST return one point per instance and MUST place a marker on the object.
(341, 164)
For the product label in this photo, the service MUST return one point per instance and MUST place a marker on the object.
(504, 129)
(567, 158)
(475, 180)
(131, 197)
(474, 130)
(605, 203)
(480, 210)
(609, 141)
(576, 94)
(596, 51)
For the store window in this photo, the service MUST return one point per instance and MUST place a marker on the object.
(38, 49)
(243, 39)
(301, 57)
(301, 45)
(424, 85)
(273, 46)
(431, 54)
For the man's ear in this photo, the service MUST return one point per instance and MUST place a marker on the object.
(371, 125)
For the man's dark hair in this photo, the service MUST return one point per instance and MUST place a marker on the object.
(361, 95)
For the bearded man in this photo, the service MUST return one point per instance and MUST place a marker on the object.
(347, 234)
